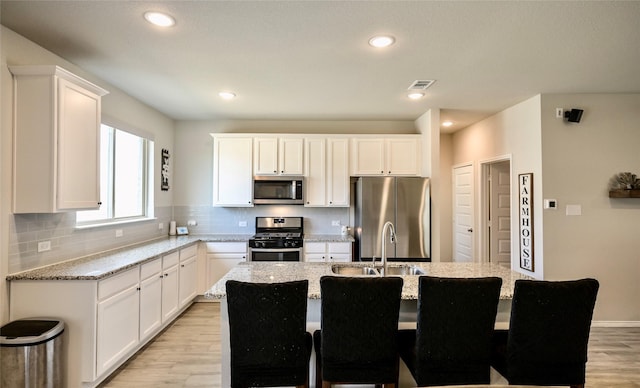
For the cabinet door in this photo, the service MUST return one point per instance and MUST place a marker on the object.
(403, 156)
(150, 305)
(78, 147)
(315, 173)
(338, 172)
(265, 156)
(188, 280)
(315, 251)
(117, 331)
(290, 156)
(169, 292)
(232, 172)
(339, 251)
(368, 156)
(219, 264)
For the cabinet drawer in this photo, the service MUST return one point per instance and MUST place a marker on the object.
(170, 260)
(314, 247)
(227, 247)
(149, 269)
(188, 252)
(117, 283)
(339, 247)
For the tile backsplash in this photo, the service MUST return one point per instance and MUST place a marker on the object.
(67, 242)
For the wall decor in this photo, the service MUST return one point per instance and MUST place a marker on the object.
(624, 185)
(525, 208)
(164, 172)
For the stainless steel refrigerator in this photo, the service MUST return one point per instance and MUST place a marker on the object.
(405, 202)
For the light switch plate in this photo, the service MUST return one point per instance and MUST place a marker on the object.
(574, 210)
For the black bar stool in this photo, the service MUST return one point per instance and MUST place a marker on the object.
(452, 341)
(357, 343)
(269, 342)
(546, 343)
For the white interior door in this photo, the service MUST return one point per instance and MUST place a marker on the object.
(500, 213)
(463, 214)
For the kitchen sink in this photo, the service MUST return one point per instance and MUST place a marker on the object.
(404, 270)
(352, 270)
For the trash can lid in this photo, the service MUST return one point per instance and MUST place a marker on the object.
(30, 331)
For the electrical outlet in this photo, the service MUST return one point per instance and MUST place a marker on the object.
(335, 223)
(160, 226)
(44, 246)
(119, 232)
(192, 223)
(242, 224)
(559, 113)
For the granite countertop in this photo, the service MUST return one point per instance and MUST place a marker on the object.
(281, 272)
(102, 265)
(328, 238)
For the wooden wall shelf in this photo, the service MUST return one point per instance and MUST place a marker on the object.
(624, 193)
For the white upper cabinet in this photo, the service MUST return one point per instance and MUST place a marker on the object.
(278, 155)
(327, 172)
(232, 171)
(400, 155)
(56, 140)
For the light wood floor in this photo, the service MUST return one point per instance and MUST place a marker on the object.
(187, 354)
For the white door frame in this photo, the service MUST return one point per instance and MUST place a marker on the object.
(484, 193)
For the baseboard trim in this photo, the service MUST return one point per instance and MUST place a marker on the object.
(615, 324)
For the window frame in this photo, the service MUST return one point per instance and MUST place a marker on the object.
(147, 205)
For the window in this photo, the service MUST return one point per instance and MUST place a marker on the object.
(125, 174)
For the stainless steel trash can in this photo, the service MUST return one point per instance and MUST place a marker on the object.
(30, 352)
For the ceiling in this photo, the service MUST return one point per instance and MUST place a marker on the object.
(309, 60)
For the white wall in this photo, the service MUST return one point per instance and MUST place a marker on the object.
(578, 160)
(18, 233)
(516, 132)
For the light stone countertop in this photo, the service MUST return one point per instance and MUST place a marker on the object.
(101, 265)
(328, 238)
(263, 272)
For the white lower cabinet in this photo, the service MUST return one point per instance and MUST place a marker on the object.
(188, 282)
(221, 257)
(335, 252)
(150, 298)
(118, 318)
(108, 320)
(170, 283)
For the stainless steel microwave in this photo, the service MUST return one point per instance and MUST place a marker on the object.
(278, 190)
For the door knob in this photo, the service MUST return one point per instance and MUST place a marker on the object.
(470, 230)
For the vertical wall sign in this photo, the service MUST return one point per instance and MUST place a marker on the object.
(164, 173)
(525, 188)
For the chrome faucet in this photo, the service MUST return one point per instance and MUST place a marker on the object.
(383, 243)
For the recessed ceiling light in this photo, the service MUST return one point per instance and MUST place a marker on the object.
(447, 123)
(227, 95)
(159, 19)
(382, 41)
(415, 96)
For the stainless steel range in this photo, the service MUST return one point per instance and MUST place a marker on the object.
(277, 239)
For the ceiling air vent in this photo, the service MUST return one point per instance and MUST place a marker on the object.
(421, 84)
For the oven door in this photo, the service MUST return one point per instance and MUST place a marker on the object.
(275, 254)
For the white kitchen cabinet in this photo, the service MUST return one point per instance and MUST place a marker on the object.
(327, 172)
(397, 156)
(221, 257)
(56, 140)
(278, 155)
(188, 284)
(150, 298)
(170, 284)
(334, 252)
(232, 171)
(118, 318)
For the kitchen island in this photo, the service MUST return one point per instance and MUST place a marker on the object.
(281, 272)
